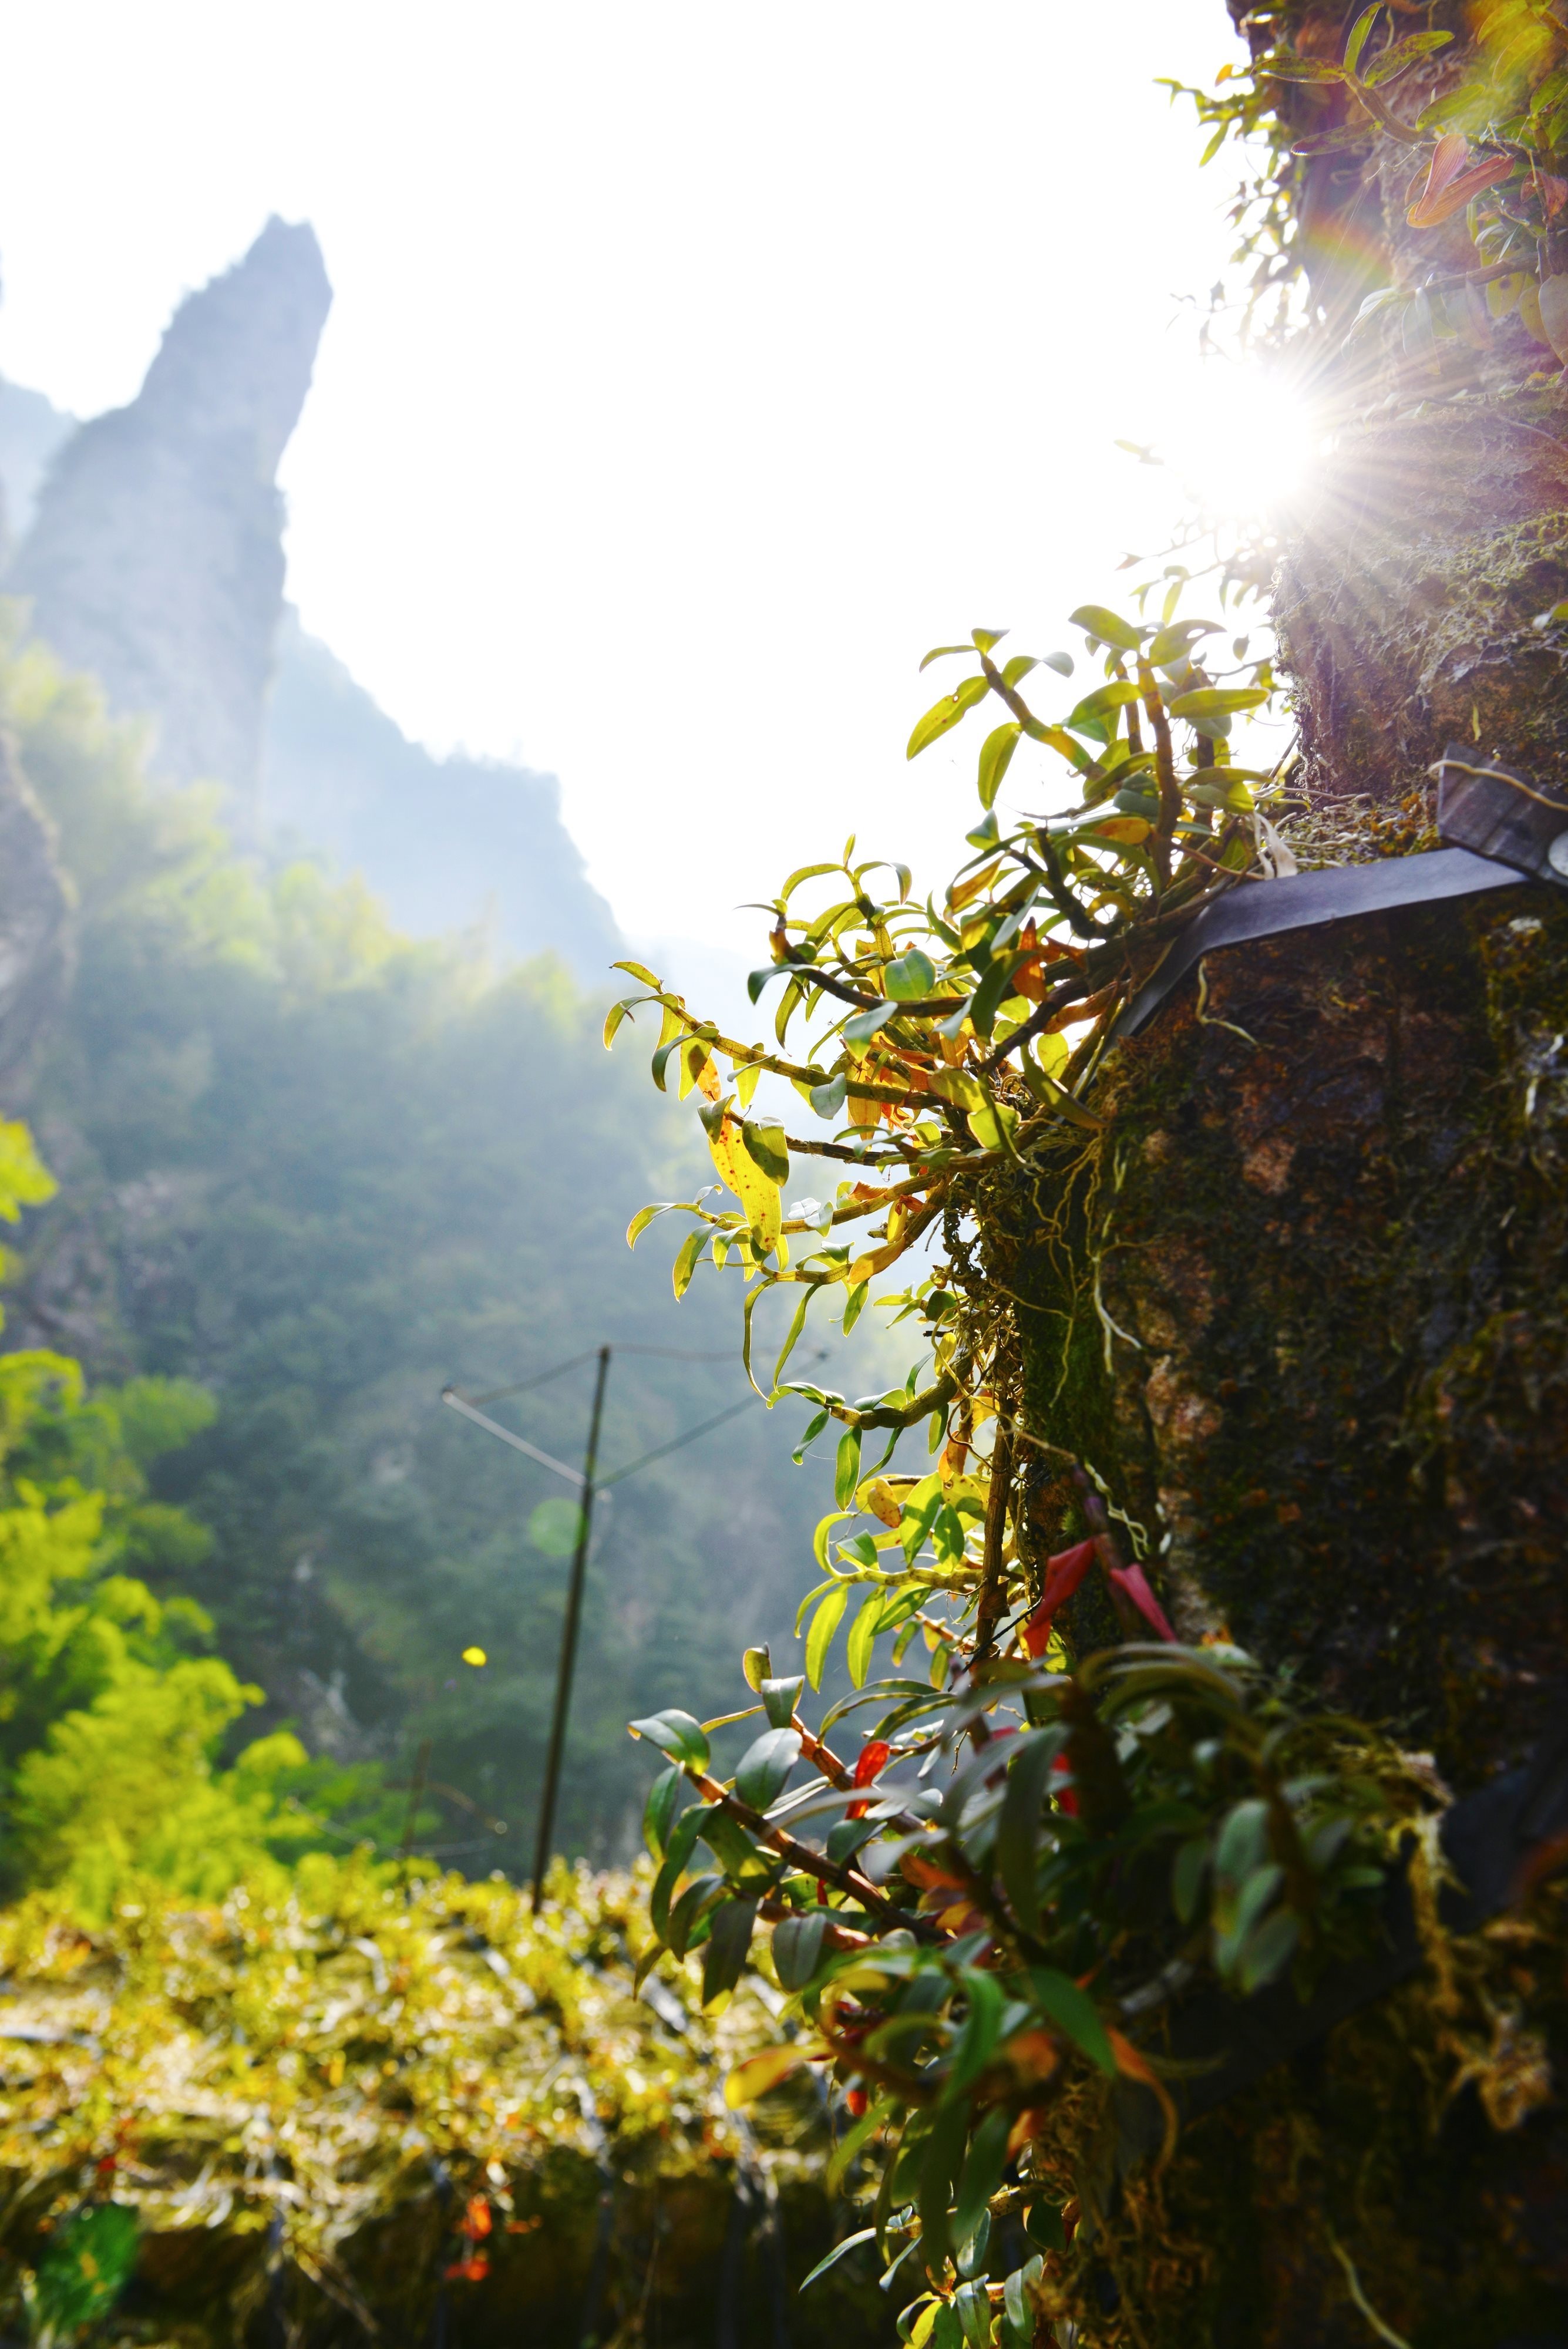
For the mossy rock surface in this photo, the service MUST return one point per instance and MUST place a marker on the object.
(1333, 1302)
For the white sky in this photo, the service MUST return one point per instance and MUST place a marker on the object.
(693, 367)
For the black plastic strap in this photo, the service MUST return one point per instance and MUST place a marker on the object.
(1341, 893)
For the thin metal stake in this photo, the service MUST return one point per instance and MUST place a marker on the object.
(569, 1639)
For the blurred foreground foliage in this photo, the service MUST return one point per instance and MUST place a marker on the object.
(340, 2105)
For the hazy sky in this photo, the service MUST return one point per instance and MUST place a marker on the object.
(692, 368)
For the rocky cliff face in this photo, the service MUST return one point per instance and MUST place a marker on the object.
(446, 843)
(155, 559)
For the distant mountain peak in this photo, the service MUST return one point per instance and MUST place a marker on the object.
(237, 357)
(155, 557)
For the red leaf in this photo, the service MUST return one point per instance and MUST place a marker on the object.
(476, 2218)
(1063, 1573)
(1066, 1798)
(871, 1757)
(1131, 1579)
(1449, 186)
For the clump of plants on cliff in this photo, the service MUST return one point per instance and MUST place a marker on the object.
(992, 1878)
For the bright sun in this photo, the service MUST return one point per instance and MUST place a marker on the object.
(1240, 444)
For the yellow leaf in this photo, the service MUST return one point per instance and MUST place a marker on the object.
(1053, 1052)
(876, 1497)
(759, 1197)
(760, 2072)
(1125, 830)
(962, 891)
(870, 1266)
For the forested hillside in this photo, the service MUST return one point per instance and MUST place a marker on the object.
(320, 1172)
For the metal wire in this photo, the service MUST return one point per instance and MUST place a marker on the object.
(676, 1442)
(538, 1379)
(664, 1353)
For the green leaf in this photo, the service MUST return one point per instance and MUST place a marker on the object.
(993, 1126)
(1217, 702)
(992, 992)
(765, 1146)
(1095, 708)
(1063, 663)
(731, 1845)
(824, 1624)
(765, 1766)
(1096, 621)
(1244, 1841)
(864, 1025)
(1187, 1878)
(640, 970)
(84, 2268)
(1393, 60)
(685, 1264)
(936, 653)
(1017, 2307)
(995, 757)
(658, 1815)
(854, 1303)
(798, 1947)
(1176, 642)
(846, 1469)
(677, 1735)
(862, 1637)
(616, 1013)
(1018, 1829)
(757, 979)
(1293, 69)
(985, 640)
(972, 2306)
(645, 1216)
(982, 2028)
(814, 1429)
(700, 1895)
(1358, 35)
(946, 714)
(1075, 2013)
(974, 2250)
(1269, 1950)
(677, 1852)
(1043, 2225)
(729, 1941)
(911, 978)
(940, 2155)
(850, 2242)
(828, 1099)
(780, 1699)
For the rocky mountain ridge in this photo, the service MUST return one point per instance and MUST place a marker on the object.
(147, 545)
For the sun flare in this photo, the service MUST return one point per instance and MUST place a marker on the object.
(1241, 443)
